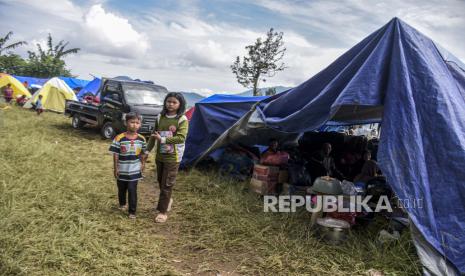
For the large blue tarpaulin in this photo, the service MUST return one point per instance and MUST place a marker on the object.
(213, 116)
(402, 78)
(71, 82)
(91, 88)
(74, 83)
(31, 80)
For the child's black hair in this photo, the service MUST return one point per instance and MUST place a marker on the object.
(41, 96)
(132, 116)
(182, 103)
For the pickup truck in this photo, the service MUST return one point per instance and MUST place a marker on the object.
(117, 98)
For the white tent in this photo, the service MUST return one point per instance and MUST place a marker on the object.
(54, 93)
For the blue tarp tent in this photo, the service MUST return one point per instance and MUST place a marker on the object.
(91, 88)
(73, 83)
(213, 116)
(401, 78)
(31, 80)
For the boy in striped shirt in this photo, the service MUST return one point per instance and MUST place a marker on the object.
(129, 154)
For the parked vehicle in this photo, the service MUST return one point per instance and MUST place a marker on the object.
(117, 98)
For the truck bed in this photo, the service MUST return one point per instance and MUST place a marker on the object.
(87, 112)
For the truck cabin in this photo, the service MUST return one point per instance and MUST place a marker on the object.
(132, 93)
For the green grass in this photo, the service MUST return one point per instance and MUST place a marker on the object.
(58, 217)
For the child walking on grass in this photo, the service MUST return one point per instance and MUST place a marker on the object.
(129, 154)
(169, 134)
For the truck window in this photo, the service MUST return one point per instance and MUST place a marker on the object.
(111, 86)
(144, 94)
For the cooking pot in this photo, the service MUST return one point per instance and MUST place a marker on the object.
(333, 231)
(326, 185)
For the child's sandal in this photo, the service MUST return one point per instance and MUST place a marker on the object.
(161, 218)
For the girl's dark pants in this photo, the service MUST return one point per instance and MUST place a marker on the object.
(131, 188)
(166, 176)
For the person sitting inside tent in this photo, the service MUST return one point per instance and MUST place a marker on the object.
(21, 100)
(370, 170)
(38, 105)
(349, 164)
(366, 156)
(272, 156)
(237, 162)
(326, 161)
(8, 93)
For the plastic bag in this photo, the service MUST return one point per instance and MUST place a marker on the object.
(348, 188)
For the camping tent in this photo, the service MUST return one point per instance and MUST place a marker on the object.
(213, 116)
(190, 113)
(38, 82)
(55, 92)
(401, 78)
(73, 82)
(91, 88)
(17, 86)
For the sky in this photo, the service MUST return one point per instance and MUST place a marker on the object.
(189, 45)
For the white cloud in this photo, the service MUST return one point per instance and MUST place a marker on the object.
(208, 54)
(187, 51)
(109, 34)
(193, 27)
(63, 9)
(297, 40)
(346, 23)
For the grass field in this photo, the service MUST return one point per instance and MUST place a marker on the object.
(58, 217)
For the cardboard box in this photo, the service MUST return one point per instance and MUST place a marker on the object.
(265, 170)
(283, 176)
(262, 187)
(266, 177)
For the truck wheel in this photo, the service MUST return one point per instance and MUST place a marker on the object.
(76, 122)
(108, 132)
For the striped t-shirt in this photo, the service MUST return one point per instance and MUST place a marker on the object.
(129, 155)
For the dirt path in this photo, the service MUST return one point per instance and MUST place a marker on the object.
(187, 260)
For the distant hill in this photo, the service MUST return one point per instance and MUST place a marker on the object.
(192, 98)
(263, 90)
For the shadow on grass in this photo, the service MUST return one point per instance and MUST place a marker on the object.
(87, 132)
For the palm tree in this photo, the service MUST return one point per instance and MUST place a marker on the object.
(45, 63)
(58, 51)
(4, 40)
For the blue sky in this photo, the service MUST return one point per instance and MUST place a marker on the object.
(189, 45)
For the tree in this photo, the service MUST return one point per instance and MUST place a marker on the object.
(270, 91)
(263, 58)
(4, 40)
(50, 63)
(12, 64)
